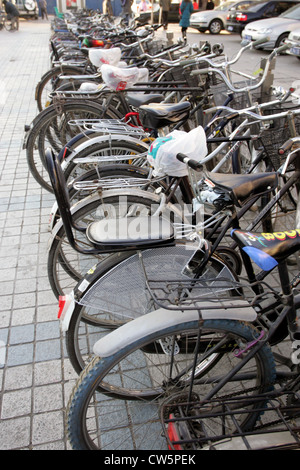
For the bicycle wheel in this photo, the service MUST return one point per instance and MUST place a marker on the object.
(283, 214)
(52, 129)
(8, 25)
(134, 382)
(117, 293)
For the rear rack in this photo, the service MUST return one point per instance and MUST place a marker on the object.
(192, 425)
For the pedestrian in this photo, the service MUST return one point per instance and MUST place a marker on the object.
(12, 14)
(186, 9)
(43, 7)
(126, 10)
(165, 8)
(143, 6)
(107, 8)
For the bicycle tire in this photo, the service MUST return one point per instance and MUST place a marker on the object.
(7, 25)
(131, 416)
(50, 81)
(46, 133)
(117, 293)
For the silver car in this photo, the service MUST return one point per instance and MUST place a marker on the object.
(276, 30)
(293, 42)
(214, 20)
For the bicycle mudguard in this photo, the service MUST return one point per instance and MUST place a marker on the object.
(161, 319)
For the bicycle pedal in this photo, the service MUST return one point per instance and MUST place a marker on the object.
(169, 346)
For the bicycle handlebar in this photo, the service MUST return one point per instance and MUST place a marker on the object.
(236, 58)
(288, 145)
(215, 67)
(190, 162)
(249, 112)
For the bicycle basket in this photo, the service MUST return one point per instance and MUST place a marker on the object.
(194, 85)
(278, 131)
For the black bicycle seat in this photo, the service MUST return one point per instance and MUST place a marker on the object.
(139, 98)
(244, 186)
(157, 115)
(267, 249)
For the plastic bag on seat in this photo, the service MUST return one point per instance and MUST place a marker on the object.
(163, 151)
(98, 57)
(118, 78)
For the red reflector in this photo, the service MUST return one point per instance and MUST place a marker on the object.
(61, 304)
(173, 435)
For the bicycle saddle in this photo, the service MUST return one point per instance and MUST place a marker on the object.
(130, 232)
(138, 99)
(157, 115)
(267, 249)
(242, 187)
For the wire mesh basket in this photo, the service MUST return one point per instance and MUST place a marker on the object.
(156, 46)
(194, 85)
(189, 424)
(277, 131)
(240, 100)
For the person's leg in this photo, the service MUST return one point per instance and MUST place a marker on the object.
(165, 19)
(13, 22)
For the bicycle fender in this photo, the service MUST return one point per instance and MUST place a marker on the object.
(161, 319)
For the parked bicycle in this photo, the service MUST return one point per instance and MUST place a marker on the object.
(191, 343)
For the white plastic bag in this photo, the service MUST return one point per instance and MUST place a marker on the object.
(119, 78)
(163, 151)
(98, 57)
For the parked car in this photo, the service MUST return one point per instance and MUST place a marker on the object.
(275, 29)
(214, 20)
(27, 8)
(293, 41)
(239, 18)
(145, 16)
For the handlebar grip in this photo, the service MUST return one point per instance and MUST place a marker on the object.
(190, 162)
(286, 146)
(182, 63)
(199, 71)
(277, 51)
(260, 41)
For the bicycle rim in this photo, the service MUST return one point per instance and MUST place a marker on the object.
(133, 385)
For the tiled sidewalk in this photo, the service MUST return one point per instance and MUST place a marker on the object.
(35, 381)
